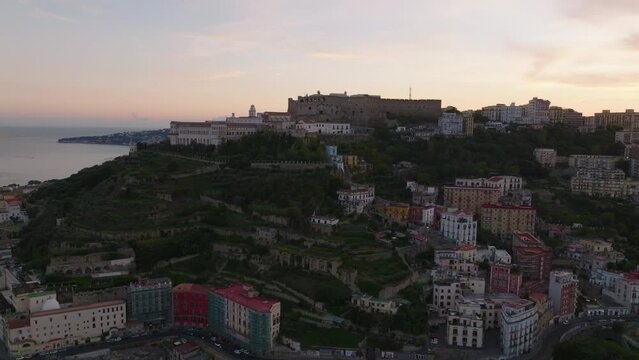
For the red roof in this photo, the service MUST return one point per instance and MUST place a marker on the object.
(78, 308)
(18, 323)
(511, 207)
(465, 247)
(192, 288)
(528, 238)
(539, 296)
(238, 293)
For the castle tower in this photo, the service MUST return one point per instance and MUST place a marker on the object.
(252, 111)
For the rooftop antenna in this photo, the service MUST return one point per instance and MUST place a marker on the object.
(410, 93)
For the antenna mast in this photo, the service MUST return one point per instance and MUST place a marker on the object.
(410, 93)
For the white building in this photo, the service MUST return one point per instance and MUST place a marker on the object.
(605, 278)
(504, 183)
(536, 112)
(447, 292)
(451, 124)
(464, 329)
(626, 292)
(517, 323)
(53, 327)
(512, 114)
(356, 199)
(593, 161)
(546, 157)
(324, 128)
(11, 210)
(562, 290)
(459, 226)
(374, 305)
(493, 255)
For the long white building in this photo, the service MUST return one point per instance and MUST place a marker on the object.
(47, 326)
(459, 226)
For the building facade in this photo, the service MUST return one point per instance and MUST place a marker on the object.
(502, 220)
(150, 301)
(451, 124)
(518, 321)
(562, 290)
(505, 278)
(189, 304)
(356, 199)
(532, 256)
(459, 226)
(470, 198)
(546, 157)
(628, 120)
(600, 182)
(359, 110)
(237, 311)
(54, 327)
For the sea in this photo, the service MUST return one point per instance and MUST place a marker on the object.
(33, 153)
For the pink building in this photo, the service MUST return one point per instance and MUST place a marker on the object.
(504, 278)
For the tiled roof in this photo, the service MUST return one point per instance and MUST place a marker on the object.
(78, 308)
(238, 293)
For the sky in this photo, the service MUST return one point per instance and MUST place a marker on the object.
(146, 62)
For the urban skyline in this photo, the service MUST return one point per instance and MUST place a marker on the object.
(93, 63)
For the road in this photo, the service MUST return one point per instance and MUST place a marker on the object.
(226, 353)
(543, 349)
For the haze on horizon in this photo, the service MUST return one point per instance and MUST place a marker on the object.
(143, 63)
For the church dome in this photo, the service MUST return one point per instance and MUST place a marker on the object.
(51, 304)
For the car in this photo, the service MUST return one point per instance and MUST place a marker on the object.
(237, 351)
(434, 341)
(217, 344)
(565, 322)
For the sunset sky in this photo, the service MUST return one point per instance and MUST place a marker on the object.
(142, 63)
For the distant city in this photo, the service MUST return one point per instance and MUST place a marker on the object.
(318, 232)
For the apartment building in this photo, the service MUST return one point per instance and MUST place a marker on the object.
(464, 329)
(493, 255)
(52, 327)
(593, 161)
(600, 182)
(536, 112)
(562, 290)
(518, 321)
(447, 292)
(459, 226)
(628, 120)
(532, 256)
(451, 124)
(470, 198)
(570, 117)
(505, 278)
(238, 312)
(546, 157)
(504, 183)
(374, 305)
(545, 311)
(459, 260)
(488, 306)
(356, 199)
(502, 220)
(189, 304)
(324, 128)
(626, 291)
(149, 300)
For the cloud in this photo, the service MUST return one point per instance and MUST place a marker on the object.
(597, 9)
(632, 41)
(594, 79)
(40, 12)
(336, 55)
(216, 76)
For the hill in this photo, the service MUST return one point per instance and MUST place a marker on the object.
(123, 138)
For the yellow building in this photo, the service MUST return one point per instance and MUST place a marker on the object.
(596, 246)
(470, 198)
(351, 161)
(502, 220)
(397, 211)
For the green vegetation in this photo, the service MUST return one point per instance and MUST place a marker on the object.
(601, 344)
(322, 288)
